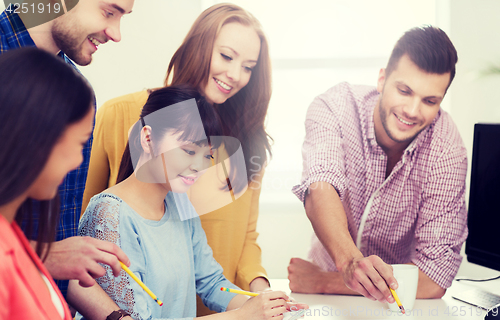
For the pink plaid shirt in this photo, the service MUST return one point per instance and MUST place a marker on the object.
(418, 213)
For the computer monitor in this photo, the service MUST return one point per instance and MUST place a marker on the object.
(483, 243)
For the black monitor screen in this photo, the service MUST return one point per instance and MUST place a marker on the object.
(483, 243)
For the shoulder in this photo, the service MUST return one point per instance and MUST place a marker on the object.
(445, 137)
(7, 238)
(345, 96)
(7, 271)
(344, 91)
(131, 99)
(8, 245)
(103, 207)
(125, 104)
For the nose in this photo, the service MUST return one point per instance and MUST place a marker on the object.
(412, 109)
(234, 72)
(199, 163)
(113, 32)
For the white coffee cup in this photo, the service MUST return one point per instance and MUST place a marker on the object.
(407, 277)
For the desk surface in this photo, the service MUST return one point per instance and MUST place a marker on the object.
(323, 307)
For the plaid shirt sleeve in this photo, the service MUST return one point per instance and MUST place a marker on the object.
(322, 152)
(442, 223)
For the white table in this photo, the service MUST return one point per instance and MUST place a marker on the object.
(323, 307)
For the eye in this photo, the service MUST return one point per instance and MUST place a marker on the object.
(430, 102)
(109, 14)
(209, 156)
(190, 152)
(225, 57)
(404, 92)
(248, 69)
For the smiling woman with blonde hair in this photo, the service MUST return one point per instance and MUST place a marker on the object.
(225, 56)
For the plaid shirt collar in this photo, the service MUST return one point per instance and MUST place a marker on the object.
(13, 32)
(13, 35)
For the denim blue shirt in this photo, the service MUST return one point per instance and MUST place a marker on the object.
(13, 35)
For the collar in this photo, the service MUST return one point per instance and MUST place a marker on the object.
(422, 136)
(15, 31)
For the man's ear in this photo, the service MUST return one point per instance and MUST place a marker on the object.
(381, 80)
(146, 143)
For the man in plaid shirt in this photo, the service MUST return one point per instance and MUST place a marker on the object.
(73, 36)
(384, 178)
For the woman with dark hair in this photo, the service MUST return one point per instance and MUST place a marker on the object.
(149, 215)
(225, 56)
(47, 117)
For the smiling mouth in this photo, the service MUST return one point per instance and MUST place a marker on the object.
(187, 180)
(94, 41)
(405, 122)
(223, 85)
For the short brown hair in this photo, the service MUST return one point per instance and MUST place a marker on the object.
(429, 48)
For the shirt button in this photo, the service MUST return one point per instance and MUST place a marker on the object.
(381, 157)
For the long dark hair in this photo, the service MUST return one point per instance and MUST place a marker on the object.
(40, 96)
(243, 114)
(179, 120)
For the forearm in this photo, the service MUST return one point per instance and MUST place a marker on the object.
(92, 302)
(333, 283)
(427, 288)
(259, 284)
(326, 213)
(236, 302)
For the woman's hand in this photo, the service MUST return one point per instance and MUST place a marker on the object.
(269, 305)
(259, 284)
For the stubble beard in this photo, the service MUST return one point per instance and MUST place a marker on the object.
(65, 35)
(383, 118)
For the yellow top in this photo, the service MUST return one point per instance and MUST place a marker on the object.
(231, 230)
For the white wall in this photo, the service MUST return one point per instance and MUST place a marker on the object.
(475, 96)
(150, 36)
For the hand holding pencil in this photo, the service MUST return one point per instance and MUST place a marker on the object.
(277, 301)
(400, 305)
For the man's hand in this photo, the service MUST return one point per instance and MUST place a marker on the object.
(78, 258)
(306, 277)
(370, 276)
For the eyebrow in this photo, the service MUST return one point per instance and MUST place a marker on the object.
(428, 97)
(236, 53)
(116, 7)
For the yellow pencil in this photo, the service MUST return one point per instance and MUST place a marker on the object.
(248, 293)
(397, 301)
(130, 273)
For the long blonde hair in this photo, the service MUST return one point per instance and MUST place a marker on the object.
(243, 114)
